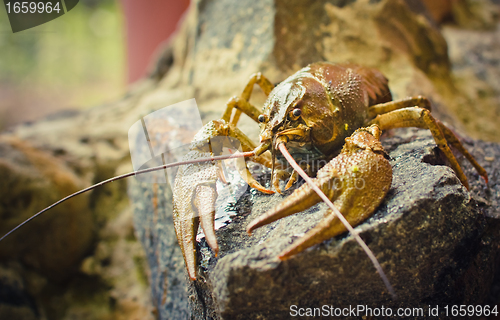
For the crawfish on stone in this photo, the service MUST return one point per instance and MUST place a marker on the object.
(316, 112)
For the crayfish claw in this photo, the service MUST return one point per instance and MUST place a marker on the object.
(204, 200)
(194, 199)
(329, 227)
(356, 181)
(301, 199)
(292, 180)
(185, 228)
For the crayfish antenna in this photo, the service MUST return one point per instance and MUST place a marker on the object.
(126, 175)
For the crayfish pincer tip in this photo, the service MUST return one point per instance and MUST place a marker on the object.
(283, 257)
(485, 178)
(249, 230)
(267, 191)
(254, 225)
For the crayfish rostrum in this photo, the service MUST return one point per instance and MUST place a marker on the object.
(314, 113)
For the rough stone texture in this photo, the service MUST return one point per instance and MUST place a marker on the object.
(429, 236)
(384, 34)
(155, 228)
(219, 45)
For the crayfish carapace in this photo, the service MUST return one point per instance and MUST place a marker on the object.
(316, 111)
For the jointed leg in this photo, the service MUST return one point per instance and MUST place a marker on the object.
(218, 133)
(422, 118)
(383, 108)
(453, 140)
(242, 103)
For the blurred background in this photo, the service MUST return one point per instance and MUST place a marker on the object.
(81, 59)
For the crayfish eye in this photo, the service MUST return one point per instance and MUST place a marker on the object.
(296, 112)
(261, 118)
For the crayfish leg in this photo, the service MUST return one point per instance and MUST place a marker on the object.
(241, 103)
(292, 180)
(409, 102)
(279, 175)
(453, 140)
(422, 118)
(248, 178)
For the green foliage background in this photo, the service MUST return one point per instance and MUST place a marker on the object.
(72, 62)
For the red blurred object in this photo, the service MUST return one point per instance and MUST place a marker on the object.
(148, 24)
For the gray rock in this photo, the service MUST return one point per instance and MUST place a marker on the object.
(430, 236)
(155, 229)
(427, 235)
(227, 42)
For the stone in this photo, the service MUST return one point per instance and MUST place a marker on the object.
(429, 236)
(277, 38)
(153, 221)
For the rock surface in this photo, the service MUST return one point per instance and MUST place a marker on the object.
(155, 229)
(429, 236)
(352, 31)
(436, 242)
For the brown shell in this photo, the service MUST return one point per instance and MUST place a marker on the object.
(375, 84)
(334, 101)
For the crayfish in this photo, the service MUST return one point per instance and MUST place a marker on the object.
(315, 113)
(312, 113)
